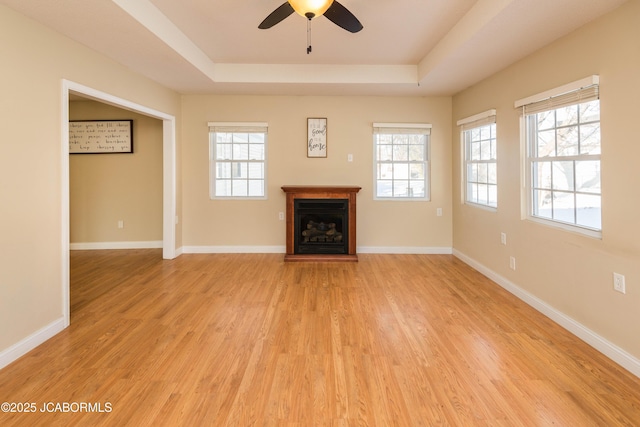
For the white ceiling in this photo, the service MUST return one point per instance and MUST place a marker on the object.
(407, 47)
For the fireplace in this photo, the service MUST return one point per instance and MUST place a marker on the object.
(321, 223)
(321, 226)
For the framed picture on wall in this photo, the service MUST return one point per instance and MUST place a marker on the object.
(316, 137)
(100, 136)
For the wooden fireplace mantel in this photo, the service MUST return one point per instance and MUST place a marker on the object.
(320, 192)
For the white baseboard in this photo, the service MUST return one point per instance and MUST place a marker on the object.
(423, 250)
(24, 346)
(281, 250)
(233, 249)
(153, 244)
(612, 351)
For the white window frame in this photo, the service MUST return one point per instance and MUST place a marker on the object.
(402, 129)
(215, 161)
(573, 93)
(486, 119)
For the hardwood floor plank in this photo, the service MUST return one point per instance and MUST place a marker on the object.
(249, 340)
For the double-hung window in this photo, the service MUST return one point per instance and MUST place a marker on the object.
(562, 134)
(401, 157)
(480, 159)
(237, 160)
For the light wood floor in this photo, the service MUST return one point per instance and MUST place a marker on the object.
(239, 340)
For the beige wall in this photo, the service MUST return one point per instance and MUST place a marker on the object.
(569, 272)
(107, 188)
(34, 62)
(255, 222)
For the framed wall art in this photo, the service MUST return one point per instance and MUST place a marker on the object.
(100, 136)
(317, 137)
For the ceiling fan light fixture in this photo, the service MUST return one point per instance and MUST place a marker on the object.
(310, 8)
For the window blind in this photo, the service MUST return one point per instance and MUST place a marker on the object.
(586, 94)
(583, 90)
(402, 128)
(244, 127)
(482, 119)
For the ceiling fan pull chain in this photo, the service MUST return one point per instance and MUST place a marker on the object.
(308, 36)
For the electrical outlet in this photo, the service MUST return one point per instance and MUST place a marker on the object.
(120, 223)
(349, 157)
(503, 238)
(439, 212)
(512, 263)
(618, 283)
(281, 216)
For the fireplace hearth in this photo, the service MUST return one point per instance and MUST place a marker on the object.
(321, 223)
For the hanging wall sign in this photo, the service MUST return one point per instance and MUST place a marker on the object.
(101, 136)
(316, 137)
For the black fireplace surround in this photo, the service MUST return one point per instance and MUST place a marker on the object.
(321, 226)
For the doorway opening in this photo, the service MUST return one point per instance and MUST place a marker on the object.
(169, 208)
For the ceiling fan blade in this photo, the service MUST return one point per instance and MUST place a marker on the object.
(340, 15)
(276, 16)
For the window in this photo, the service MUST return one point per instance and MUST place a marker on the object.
(480, 159)
(401, 156)
(237, 153)
(563, 157)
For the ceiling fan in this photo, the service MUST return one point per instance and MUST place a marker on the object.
(334, 11)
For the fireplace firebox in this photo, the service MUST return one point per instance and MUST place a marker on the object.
(321, 223)
(321, 226)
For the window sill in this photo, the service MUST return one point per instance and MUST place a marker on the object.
(588, 232)
(401, 199)
(482, 207)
